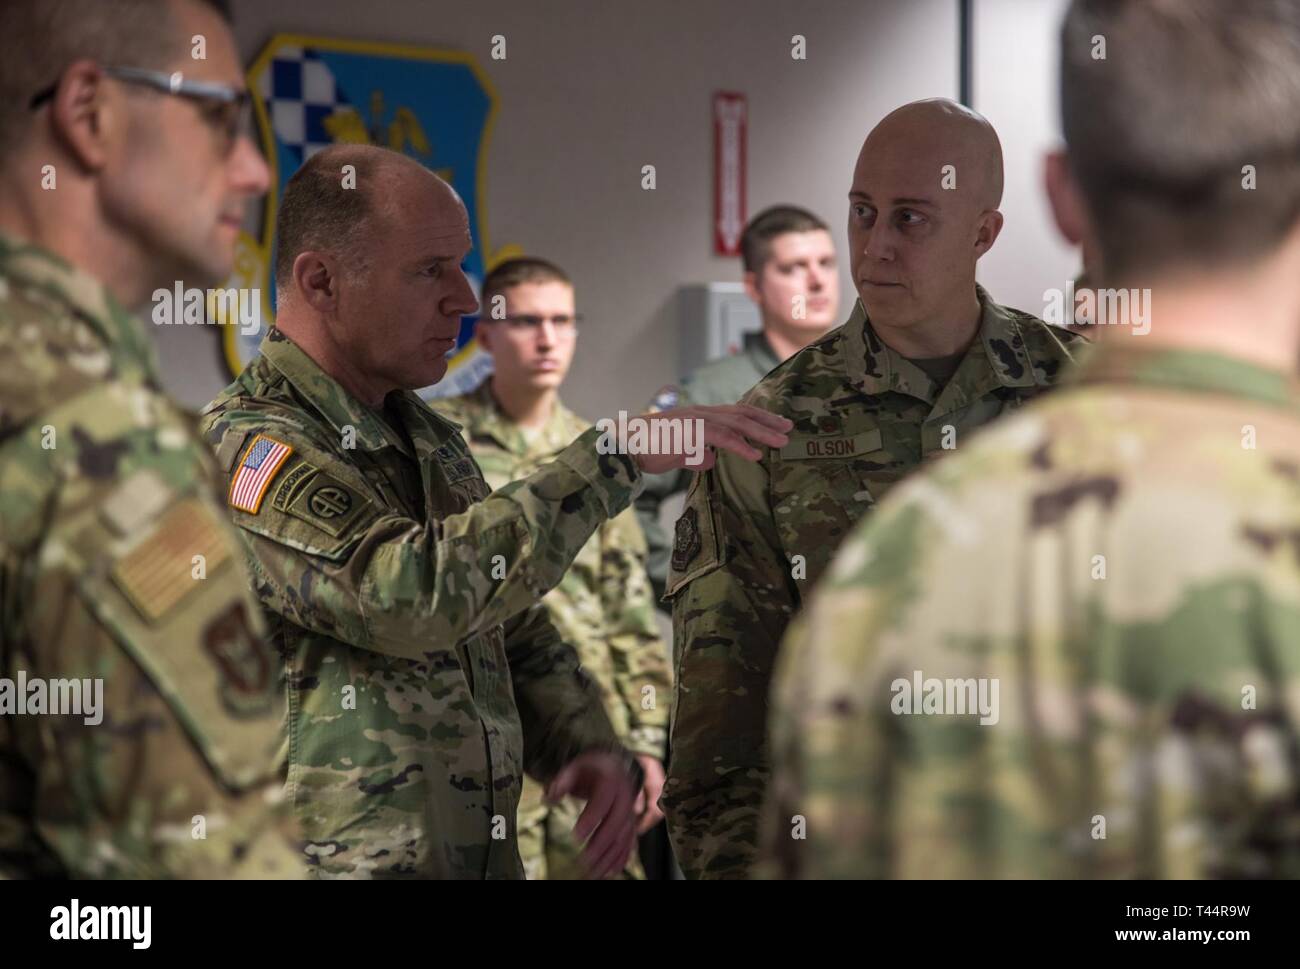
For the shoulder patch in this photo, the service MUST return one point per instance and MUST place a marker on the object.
(697, 548)
(262, 459)
(243, 662)
(157, 574)
(319, 499)
(686, 539)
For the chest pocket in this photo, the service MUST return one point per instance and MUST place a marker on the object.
(821, 488)
(463, 481)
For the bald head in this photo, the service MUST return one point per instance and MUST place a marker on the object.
(931, 134)
(344, 195)
(923, 210)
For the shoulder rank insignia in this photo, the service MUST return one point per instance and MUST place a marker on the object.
(261, 461)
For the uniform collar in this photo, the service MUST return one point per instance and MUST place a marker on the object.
(760, 352)
(1198, 371)
(483, 417)
(123, 334)
(997, 357)
(342, 410)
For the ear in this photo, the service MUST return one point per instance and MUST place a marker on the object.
(84, 116)
(990, 227)
(751, 286)
(1068, 209)
(316, 280)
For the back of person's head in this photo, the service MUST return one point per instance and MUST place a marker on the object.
(1182, 120)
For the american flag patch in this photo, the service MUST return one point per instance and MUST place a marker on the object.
(261, 461)
(158, 573)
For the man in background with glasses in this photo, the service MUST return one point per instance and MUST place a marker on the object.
(514, 422)
(122, 170)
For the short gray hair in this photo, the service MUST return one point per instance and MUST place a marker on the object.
(318, 213)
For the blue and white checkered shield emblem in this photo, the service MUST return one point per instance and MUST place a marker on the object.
(435, 106)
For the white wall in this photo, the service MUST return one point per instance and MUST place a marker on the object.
(590, 92)
(1014, 86)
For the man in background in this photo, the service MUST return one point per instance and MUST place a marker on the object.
(792, 276)
(514, 422)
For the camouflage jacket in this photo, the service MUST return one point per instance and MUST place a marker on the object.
(1112, 579)
(722, 381)
(754, 537)
(117, 568)
(423, 675)
(602, 605)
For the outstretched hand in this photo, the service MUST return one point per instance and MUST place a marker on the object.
(696, 433)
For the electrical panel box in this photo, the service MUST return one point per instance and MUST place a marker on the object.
(714, 320)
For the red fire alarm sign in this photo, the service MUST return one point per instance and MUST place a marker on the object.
(729, 130)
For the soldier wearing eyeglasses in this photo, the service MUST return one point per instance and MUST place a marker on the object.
(122, 170)
(514, 422)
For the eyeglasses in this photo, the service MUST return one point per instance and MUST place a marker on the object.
(523, 322)
(225, 107)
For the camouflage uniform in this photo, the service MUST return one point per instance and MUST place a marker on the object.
(424, 677)
(1128, 571)
(601, 607)
(754, 538)
(106, 500)
(722, 381)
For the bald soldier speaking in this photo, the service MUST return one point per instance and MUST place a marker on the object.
(925, 358)
(423, 676)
